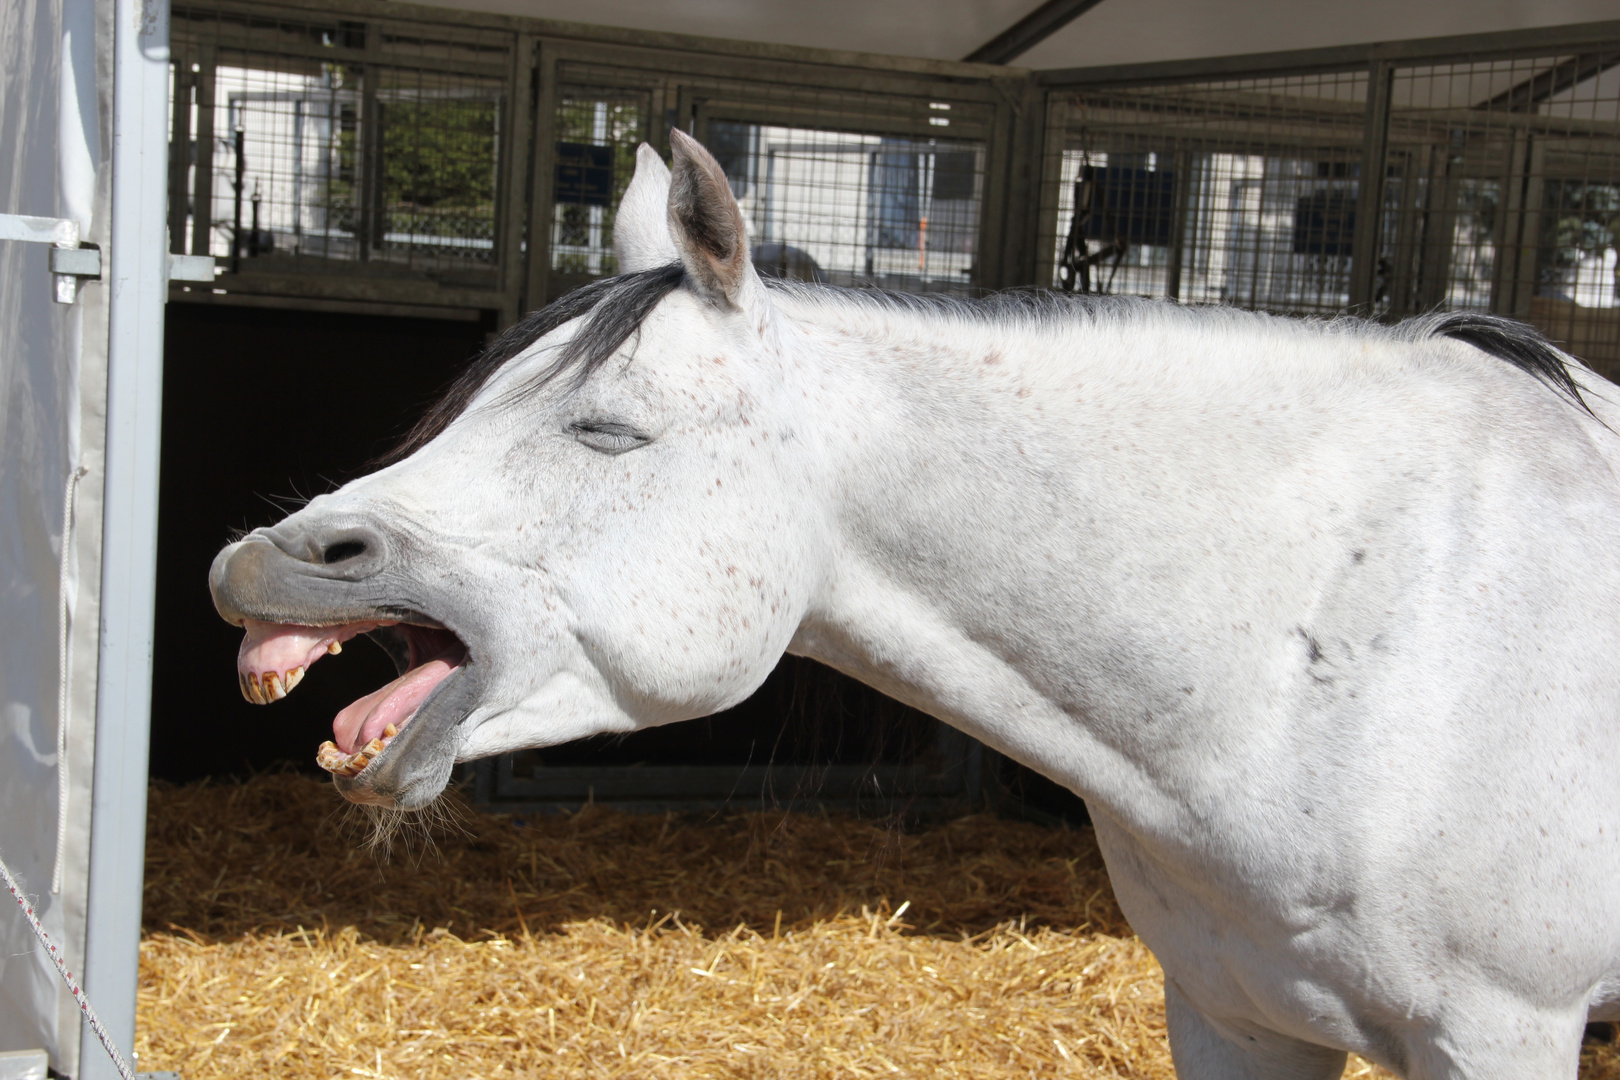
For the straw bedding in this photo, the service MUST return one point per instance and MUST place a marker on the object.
(605, 945)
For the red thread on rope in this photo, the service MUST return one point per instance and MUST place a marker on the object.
(90, 1017)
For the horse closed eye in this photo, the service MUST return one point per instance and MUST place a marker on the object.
(609, 438)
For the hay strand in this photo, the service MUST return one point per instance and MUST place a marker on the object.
(606, 945)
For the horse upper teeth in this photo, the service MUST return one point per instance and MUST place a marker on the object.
(263, 689)
(250, 688)
(334, 647)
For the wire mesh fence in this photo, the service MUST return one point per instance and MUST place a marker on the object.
(1239, 192)
(398, 150)
(598, 130)
(385, 153)
(856, 209)
(835, 186)
(1496, 188)
(1506, 193)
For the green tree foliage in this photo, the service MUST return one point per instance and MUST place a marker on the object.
(1578, 219)
(438, 166)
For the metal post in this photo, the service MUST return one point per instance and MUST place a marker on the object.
(368, 174)
(1509, 222)
(515, 155)
(1525, 258)
(180, 155)
(537, 281)
(202, 188)
(137, 285)
(1046, 179)
(1178, 225)
(1370, 191)
(1439, 228)
(240, 137)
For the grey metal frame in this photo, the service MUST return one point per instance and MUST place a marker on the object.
(655, 788)
(138, 265)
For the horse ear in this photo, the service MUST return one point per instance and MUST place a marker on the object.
(641, 228)
(705, 223)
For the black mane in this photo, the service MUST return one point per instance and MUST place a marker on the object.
(617, 307)
(1512, 342)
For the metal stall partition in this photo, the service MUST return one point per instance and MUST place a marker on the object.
(1241, 191)
(350, 159)
(370, 156)
(1505, 191)
(862, 171)
(1245, 181)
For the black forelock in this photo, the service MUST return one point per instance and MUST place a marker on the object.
(617, 307)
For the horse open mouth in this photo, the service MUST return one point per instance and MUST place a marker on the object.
(275, 656)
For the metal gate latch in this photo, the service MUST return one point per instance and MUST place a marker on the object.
(71, 261)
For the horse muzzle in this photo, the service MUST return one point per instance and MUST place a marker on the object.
(300, 592)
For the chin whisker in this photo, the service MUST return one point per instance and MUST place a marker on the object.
(415, 834)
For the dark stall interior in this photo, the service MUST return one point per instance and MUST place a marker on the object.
(265, 408)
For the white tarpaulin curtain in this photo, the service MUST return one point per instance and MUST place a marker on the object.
(55, 102)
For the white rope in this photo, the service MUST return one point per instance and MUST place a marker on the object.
(64, 672)
(55, 954)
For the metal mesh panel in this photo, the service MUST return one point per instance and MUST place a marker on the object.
(846, 187)
(1498, 190)
(323, 163)
(1508, 180)
(598, 131)
(1240, 192)
(853, 209)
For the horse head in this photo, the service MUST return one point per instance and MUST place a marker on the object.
(609, 523)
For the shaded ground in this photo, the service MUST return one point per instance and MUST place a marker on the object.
(282, 851)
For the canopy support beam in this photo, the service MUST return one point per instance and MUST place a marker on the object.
(1030, 31)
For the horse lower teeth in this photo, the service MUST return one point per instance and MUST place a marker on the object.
(335, 761)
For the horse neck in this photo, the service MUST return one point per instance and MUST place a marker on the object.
(1023, 519)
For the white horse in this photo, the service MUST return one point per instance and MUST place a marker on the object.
(1319, 617)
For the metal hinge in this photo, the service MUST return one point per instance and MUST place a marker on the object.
(71, 261)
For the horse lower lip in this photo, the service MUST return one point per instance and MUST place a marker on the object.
(434, 656)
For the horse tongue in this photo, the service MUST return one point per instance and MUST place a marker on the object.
(394, 704)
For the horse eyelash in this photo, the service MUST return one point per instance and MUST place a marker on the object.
(611, 437)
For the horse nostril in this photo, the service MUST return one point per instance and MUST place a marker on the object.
(343, 550)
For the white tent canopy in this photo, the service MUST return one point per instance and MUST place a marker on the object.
(1111, 32)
